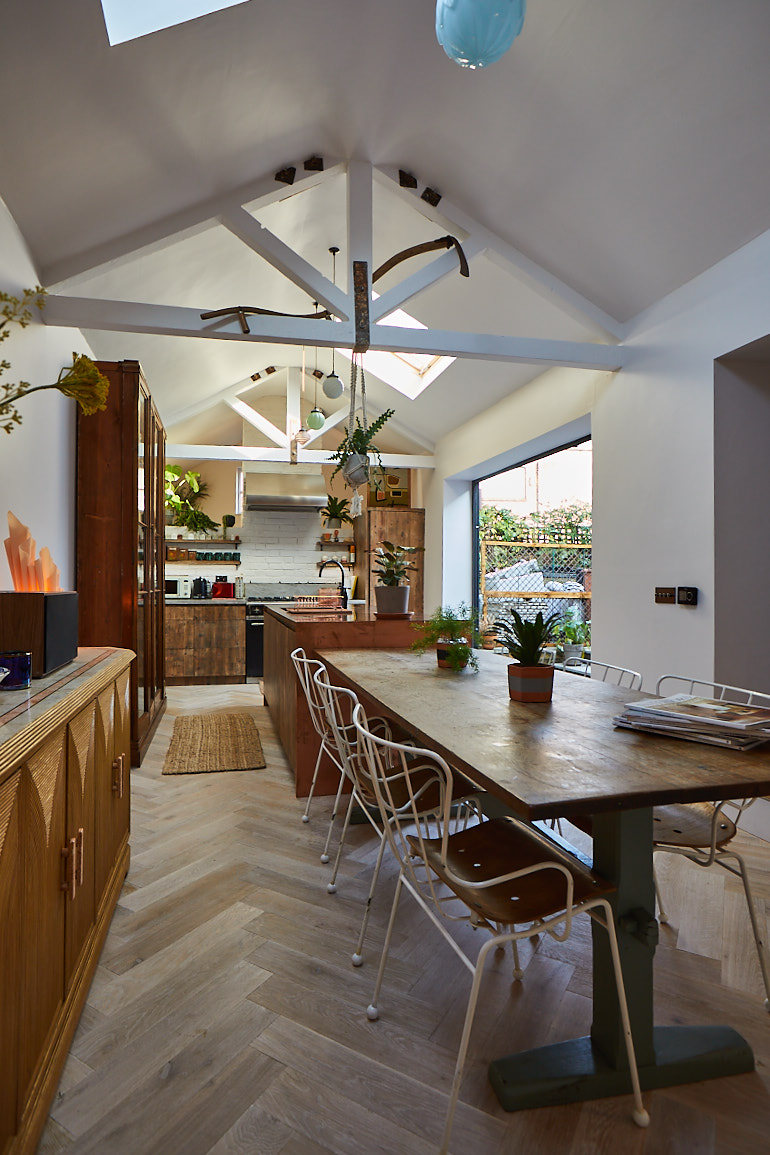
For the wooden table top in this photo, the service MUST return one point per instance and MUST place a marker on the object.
(560, 758)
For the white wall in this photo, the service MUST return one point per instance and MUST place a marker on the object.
(37, 460)
(653, 448)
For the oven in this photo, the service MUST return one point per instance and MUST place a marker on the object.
(255, 633)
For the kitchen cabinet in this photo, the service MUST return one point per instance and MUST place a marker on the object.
(120, 548)
(205, 643)
(402, 527)
(54, 911)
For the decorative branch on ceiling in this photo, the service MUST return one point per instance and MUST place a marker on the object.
(242, 312)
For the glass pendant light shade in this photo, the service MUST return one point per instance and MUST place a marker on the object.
(302, 436)
(475, 33)
(315, 419)
(333, 386)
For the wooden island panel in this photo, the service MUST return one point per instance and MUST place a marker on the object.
(284, 696)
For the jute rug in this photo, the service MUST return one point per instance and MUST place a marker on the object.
(205, 743)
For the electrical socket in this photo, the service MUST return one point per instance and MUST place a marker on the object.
(665, 595)
(687, 595)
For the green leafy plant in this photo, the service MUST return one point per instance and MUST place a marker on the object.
(391, 562)
(456, 629)
(183, 492)
(524, 639)
(360, 441)
(81, 380)
(196, 521)
(573, 632)
(336, 509)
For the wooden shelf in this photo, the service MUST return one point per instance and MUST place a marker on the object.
(335, 544)
(203, 543)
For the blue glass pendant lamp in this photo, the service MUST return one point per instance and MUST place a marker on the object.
(475, 33)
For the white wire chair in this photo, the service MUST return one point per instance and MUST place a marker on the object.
(479, 875)
(306, 669)
(340, 703)
(701, 831)
(605, 672)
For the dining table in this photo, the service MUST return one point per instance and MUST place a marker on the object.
(567, 759)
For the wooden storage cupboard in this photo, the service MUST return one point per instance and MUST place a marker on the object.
(63, 856)
(205, 644)
(120, 530)
(402, 527)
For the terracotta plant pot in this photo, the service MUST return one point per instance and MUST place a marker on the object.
(392, 599)
(530, 683)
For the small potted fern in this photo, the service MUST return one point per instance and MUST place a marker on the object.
(528, 679)
(453, 633)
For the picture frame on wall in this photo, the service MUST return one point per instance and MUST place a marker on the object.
(389, 488)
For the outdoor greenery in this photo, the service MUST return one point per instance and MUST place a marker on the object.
(568, 523)
(391, 562)
(360, 440)
(573, 632)
(81, 380)
(456, 628)
(524, 640)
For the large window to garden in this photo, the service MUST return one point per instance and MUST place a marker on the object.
(534, 545)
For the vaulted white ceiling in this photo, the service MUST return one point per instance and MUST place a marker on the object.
(618, 150)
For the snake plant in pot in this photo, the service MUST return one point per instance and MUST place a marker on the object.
(528, 679)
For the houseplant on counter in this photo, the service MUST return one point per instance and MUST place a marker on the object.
(391, 565)
(453, 633)
(336, 511)
(528, 680)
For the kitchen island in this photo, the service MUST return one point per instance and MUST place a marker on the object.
(319, 630)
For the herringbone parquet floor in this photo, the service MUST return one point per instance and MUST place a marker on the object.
(225, 1017)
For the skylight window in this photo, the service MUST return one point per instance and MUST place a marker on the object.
(130, 19)
(409, 373)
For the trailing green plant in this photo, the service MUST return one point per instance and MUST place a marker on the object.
(392, 562)
(524, 638)
(196, 521)
(360, 441)
(458, 628)
(81, 380)
(336, 509)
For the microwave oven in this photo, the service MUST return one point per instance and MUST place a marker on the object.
(177, 587)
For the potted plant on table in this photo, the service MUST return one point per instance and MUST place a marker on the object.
(528, 679)
(391, 565)
(453, 633)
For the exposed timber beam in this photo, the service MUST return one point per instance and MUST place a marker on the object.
(318, 287)
(166, 231)
(168, 320)
(304, 456)
(259, 422)
(454, 220)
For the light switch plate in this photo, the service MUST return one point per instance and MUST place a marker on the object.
(665, 595)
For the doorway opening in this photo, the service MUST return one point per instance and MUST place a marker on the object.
(533, 545)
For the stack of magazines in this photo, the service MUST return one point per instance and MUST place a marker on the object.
(708, 720)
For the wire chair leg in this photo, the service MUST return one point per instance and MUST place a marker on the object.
(662, 916)
(640, 1116)
(306, 815)
(470, 1012)
(372, 1011)
(332, 820)
(758, 939)
(358, 957)
(331, 886)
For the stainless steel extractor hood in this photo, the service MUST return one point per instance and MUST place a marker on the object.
(284, 491)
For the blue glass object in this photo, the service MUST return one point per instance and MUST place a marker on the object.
(475, 33)
(18, 663)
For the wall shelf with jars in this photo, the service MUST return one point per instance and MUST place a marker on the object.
(212, 552)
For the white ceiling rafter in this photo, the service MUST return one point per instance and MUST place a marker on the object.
(448, 216)
(167, 230)
(253, 417)
(430, 274)
(183, 452)
(225, 395)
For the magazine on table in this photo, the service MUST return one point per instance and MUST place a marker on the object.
(705, 711)
(710, 735)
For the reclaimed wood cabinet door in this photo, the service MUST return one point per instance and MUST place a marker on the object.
(111, 779)
(402, 527)
(10, 896)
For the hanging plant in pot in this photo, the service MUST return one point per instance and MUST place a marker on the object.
(391, 565)
(453, 633)
(528, 680)
(352, 453)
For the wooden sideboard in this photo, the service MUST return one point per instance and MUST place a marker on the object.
(64, 825)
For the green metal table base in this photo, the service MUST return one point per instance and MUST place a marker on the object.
(574, 1071)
